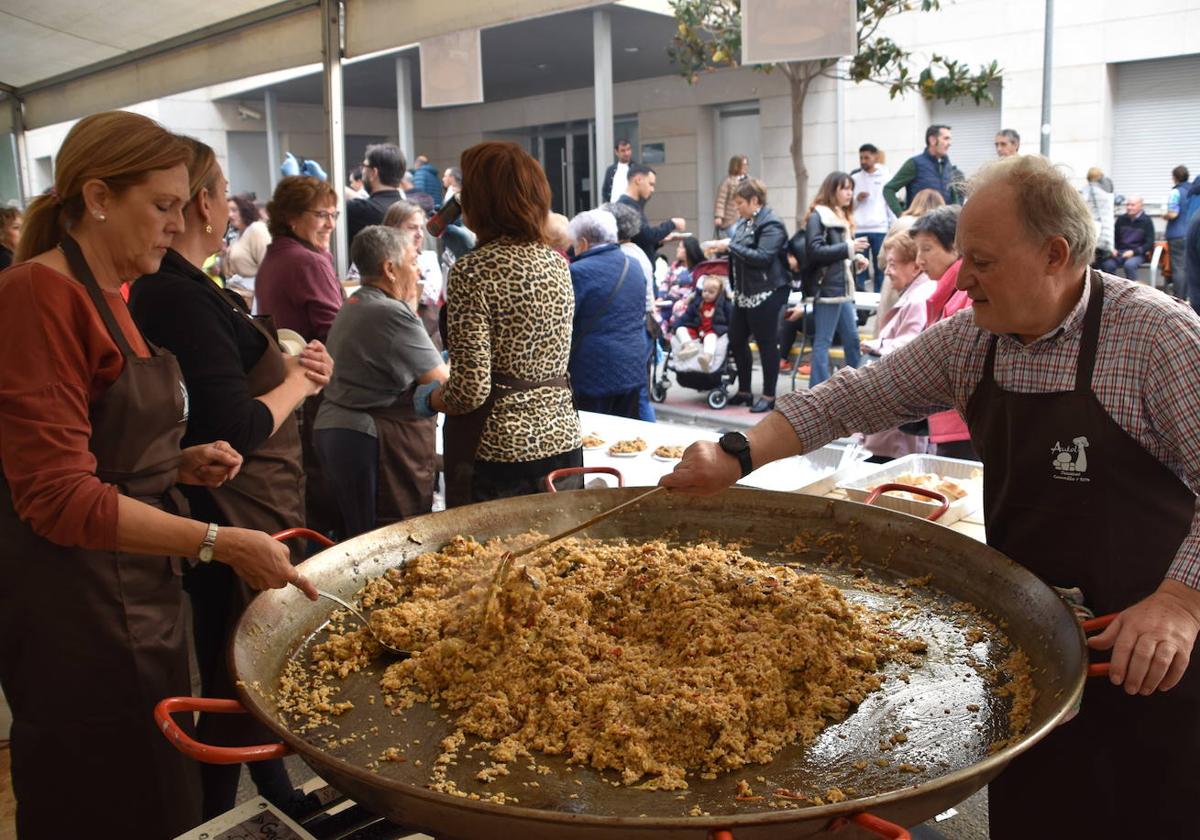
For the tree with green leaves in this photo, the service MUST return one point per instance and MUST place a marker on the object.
(709, 37)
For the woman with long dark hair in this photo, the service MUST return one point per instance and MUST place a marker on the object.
(832, 251)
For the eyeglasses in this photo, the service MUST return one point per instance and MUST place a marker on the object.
(325, 215)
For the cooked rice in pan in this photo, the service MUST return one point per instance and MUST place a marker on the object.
(652, 659)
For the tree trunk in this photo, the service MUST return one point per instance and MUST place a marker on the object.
(799, 79)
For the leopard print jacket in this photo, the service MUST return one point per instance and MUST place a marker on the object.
(509, 308)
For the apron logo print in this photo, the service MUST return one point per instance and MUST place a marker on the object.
(1070, 461)
(184, 392)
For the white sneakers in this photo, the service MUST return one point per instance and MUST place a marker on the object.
(705, 362)
(689, 350)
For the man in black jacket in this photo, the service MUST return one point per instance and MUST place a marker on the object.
(617, 175)
(383, 168)
(1134, 235)
(641, 187)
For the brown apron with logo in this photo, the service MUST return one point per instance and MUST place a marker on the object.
(267, 495)
(407, 461)
(91, 640)
(1072, 497)
(461, 434)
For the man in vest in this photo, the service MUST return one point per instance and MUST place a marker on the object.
(1052, 352)
(929, 170)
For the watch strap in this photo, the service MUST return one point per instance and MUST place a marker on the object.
(209, 542)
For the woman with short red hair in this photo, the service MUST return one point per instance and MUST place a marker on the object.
(509, 306)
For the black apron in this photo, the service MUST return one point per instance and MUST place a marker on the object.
(1076, 500)
(461, 434)
(91, 640)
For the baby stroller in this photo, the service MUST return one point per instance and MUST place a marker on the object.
(688, 372)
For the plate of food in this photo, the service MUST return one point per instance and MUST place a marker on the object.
(592, 441)
(627, 448)
(960, 481)
(292, 342)
(667, 453)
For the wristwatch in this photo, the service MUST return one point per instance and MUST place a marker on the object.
(738, 445)
(210, 542)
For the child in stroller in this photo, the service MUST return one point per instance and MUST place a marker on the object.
(706, 320)
(697, 349)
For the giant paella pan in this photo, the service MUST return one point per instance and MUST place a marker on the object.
(957, 727)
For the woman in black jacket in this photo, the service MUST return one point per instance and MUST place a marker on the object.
(759, 278)
(832, 251)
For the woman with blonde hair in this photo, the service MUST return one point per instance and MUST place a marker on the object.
(245, 390)
(725, 214)
(91, 536)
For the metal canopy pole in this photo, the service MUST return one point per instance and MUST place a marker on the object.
(272, 138)
(404, 108)
(21, 150)
(1047, 73)
(602, 80)
(332, 50)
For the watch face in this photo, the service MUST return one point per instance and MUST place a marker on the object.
(734, 442)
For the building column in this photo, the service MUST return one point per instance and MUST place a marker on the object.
(603, 84)
(404, 108)
(272, 138)
(332, 13)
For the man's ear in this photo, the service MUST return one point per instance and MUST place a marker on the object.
(1058, 255)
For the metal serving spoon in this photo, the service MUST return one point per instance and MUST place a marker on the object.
(386, 646)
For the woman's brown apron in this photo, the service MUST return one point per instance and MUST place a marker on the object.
(91, 640)
(407, 461)
(267, 495)
(461, 434)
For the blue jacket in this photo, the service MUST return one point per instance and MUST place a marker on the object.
(426, 180)
(608, 344)
(931, 174)
(1177, 227)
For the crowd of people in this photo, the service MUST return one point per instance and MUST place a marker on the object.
(201, 380)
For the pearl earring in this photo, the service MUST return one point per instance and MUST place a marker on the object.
(99, 217)
(208, 228)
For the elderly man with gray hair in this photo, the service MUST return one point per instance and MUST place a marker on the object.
(378, 455)
(608, 344)
(1080, 393)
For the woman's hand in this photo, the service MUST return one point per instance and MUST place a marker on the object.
(795, 313)
(861, 244)
(209, 464)
(317, 364)
(263, 563)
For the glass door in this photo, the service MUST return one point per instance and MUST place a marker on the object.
(554, 162)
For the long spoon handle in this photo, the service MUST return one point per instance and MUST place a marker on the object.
(575, 529)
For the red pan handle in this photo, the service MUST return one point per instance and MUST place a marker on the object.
(875, 825)
(205, 753)
(940, 498)
(288, 533)
(1098, 669)
(566, 472)
(870, 822)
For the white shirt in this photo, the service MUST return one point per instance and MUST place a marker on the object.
(639, 256)
(871, 215)
(432, 281)
(620, 181)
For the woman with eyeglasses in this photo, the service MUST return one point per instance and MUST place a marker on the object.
(296, 283)
(297, 289)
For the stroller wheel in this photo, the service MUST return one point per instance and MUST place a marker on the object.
(717, 398)
(658, 391)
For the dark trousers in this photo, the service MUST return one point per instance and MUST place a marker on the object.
(502, 479)
(210, 586)
(762, 322)
(860, 281)
(962, 449)
(1179, 283)
(625, 404)
(350, 461)
(1129, 266)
